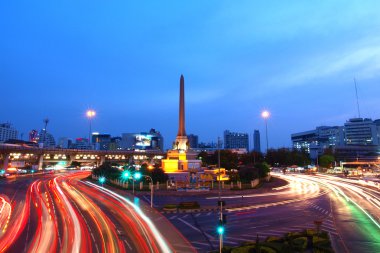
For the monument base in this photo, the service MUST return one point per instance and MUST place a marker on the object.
(180, 161)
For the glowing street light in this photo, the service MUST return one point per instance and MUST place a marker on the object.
(90, 114)
(125, 174)
(102, 180)
(137, 175)
(265, 114)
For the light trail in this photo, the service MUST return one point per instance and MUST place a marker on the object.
(148, 227)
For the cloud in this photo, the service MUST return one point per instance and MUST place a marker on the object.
(361, 58)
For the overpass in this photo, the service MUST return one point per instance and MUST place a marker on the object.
(36, 155)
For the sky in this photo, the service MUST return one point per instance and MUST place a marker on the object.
(297, 59)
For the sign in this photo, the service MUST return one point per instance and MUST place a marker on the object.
(17, 164)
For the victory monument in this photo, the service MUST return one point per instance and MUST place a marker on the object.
(181, 158)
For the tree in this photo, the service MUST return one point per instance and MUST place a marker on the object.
(262, 169)
(326, 161)
(247, 173)
(158, 175)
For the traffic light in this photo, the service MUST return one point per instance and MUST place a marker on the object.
(102, 180)
(220, 228)
(125, 174)
(137, 175)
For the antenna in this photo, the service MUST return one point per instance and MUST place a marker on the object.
(46, 121)
(357, 97)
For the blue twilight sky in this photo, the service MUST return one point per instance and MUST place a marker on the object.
(124, 59)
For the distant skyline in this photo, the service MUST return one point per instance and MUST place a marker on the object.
(297, 59)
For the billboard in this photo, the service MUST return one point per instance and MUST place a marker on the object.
(143, 140)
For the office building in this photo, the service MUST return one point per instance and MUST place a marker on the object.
(314, 142)
(193, 141)
(81, 143)
(256, 141)
(7, 132)
(64, 142)
(359, 138)
(234, 140)
(101, 141)
(115, 143)
(46, 139)
(361, 131)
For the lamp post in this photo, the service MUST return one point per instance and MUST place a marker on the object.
(265, 114)
(151, 190)
(90, 114)
(220, 228)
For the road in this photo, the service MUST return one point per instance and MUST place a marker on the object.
(63, 213)
(348, 210)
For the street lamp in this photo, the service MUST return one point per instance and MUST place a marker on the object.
(265, 114)
(102, 180)
(90, 114)
(151, 190)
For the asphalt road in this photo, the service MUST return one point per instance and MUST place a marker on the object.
(62, 213)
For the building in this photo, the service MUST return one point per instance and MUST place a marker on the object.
(359, 138)
(81, 143)
(46, 139)
(101, 141)
(314, 142)
(361, 131)
(7, 132)
(33, 136)
(234, 140)
(115, 143)
(256, 141)
(64, 142)
(153, 140)
(193, 141)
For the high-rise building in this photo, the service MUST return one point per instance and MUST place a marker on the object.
(234, 140)
(46, 139)
(359, 138)
(316, 141)
(361, 131)
(7, 132)
(115, 143)
(101, 141)
(193, 140)
(64, 142)
(256, 141)
(81, 143)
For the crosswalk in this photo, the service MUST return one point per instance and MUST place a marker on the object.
(203, 224)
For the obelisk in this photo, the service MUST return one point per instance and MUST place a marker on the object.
(181, 126)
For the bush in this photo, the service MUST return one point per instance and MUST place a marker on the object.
(170, 206)
(189, 205)
(273, 239)
(300, 243)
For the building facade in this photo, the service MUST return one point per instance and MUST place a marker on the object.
(64, 142)
(193, 141)
(361, 131)
(233, 140)
(7, 132)
(359, 138)
(256, 141)
(46, 139)
(101, 141)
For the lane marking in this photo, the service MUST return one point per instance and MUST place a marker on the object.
(196, 229)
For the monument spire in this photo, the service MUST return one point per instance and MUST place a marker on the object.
(181, 127)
